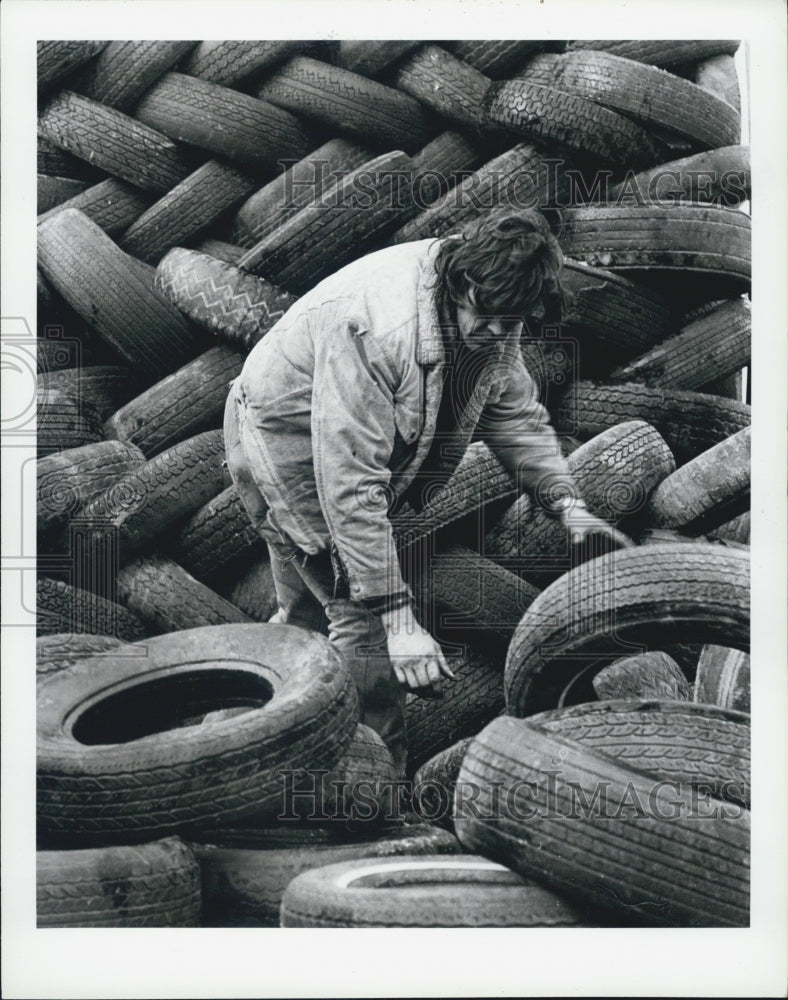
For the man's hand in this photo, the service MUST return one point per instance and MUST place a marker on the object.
(581, 523)
(416, 657)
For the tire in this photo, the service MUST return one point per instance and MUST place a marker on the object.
(731, 387)
(220, 250)
(647, 675)
(434, 784)
(248, 131)
(62, 608)
(348, 103)
(655, 867)
(708, 491)
(707, 349)
(60, 355)
(244, 875)
(718, 176)
(626, 317)
(125, 70)
(468, 703)
(719, 77)
(189, 209)
(369, 58)
(660, 53)
(701, 239)
(150, 499)
(56, 59)
(657, 595)
(56, 162)
(253, 592)
(462, 891)
(64, 422)
(440, 165)
(461, 593)
(168, 599)
(567, 122)
(737, 530)
(63, 649)
(723, 678)
(690, 422)
(112, 204)
(294, 189)
(325, 235)
(114, 296)
(495, 59)
(219, 539)
(615, 472)
(121, 770)
(183, 404)
(53, 191)
(518, 177)
(151, 885)
(649, 95)
(113, 141)
(68, 480)
(230, 63)
(97, 388)
(444, 84)
(237, 306)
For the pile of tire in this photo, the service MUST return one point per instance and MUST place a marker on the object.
(189, 193)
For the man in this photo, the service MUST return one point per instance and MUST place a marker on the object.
(365, 393)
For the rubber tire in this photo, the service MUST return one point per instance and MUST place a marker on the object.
(690, 422)
(56, 162)
(168, 599)
(659, 594)
(552, 117)
(68, 480)
(444, 84)
(737, 530)
(183, 404)
(180, 779)
(723, 678)
(244, 875)
(440, 165)
(125, 70)
(97, 388)
(112, 204)
(114, 295)
(498, 59)
(660, 53)
(232, 62)
(368, 58)
(701, 239)
(253, 592)
(690, 870)
(651, 96)
(719, 76)
(294, 189)
(64, 422)
(166, 489)
(462, 891)
(725, 173)
(349, 104)
(53, 191)
(220, 250)
(708, 491)
(63, 649)
(646, 675)
(56, 59)
(150, 885)
(236, 306)
(188, 210)
(434, 784)
(63, 608)
(217, 540)
(122, 146)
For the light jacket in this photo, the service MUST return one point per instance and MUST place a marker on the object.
(337, 408)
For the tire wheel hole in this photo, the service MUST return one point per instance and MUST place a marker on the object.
(181, 699)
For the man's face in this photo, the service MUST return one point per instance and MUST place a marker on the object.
(477, 330)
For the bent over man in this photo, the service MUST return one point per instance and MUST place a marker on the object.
(367, 391)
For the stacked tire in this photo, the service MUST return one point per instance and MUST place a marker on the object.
(189, 193)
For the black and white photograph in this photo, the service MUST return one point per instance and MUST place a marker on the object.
(378, 502)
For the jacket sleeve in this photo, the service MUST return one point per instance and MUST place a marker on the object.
(352, 438)
(517, 429)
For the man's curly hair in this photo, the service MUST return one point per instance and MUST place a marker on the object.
(512, 263)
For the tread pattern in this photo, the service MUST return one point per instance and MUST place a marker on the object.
(444, 84)
(368, 58)
(651, 864)
(230, 62)
(224, 121)
(125, 70)
(550, 115)
(660, 53)
(441, 164)
(113, 141)
(645, 596)
(56, 162)
(54, 191)
(57, 58)
(238, 306)
(737, 530)
(690, 422)
(350, 103)
(63, 649)
(150, 885)
(64, 422)
(648, 675)
(63, 608)
(718, 175)
(183, 404)
(253, 592)
(497, 59)
(117, 298)
(98, 387)
(709, 490)
(723, 678)
(112, 204)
